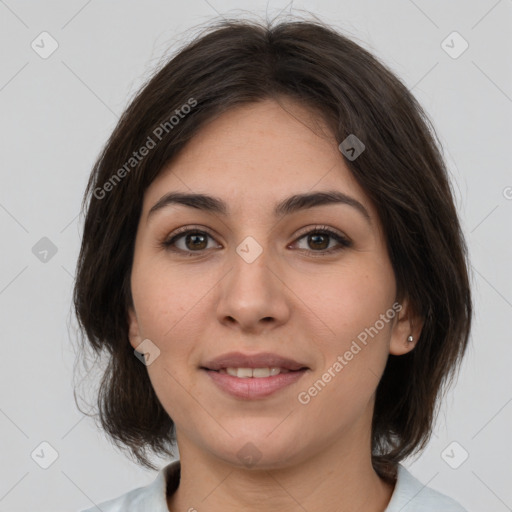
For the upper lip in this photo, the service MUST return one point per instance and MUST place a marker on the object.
(261, 360)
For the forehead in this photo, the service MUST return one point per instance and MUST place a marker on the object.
(256, 154)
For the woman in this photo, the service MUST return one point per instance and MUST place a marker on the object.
(273, 262)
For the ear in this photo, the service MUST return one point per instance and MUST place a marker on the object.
(134, 332)
(407, 323)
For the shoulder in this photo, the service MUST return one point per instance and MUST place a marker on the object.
(151, 497)
(410, 495)
(127, 502)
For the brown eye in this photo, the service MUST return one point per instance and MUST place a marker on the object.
(196, 240)
(188, 241)
(318, 241)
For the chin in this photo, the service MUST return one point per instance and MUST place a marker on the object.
(259, 451)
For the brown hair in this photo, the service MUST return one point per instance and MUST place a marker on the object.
(236, 62)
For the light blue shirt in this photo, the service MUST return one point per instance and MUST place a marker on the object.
(409, 495)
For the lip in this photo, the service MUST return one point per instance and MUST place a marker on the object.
(251, 388)
(260, 360)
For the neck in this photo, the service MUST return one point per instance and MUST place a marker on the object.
(337, 479)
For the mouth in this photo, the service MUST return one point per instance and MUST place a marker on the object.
(253, 376)
(260, 362)
(257, 373)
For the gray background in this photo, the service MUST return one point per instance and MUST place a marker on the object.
(57, 112)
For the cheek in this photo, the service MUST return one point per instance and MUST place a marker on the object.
(169, 314)
(172, 309)
(348, 300)
(166, 298)
(354, 315)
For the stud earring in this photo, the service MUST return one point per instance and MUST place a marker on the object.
(410, 338)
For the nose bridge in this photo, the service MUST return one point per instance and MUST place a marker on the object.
(251, 276)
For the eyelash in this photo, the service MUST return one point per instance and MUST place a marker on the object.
(168, 243)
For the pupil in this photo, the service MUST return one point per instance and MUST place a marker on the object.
(315, 239)
(195, 237)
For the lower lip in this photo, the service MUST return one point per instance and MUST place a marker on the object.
(254, 387)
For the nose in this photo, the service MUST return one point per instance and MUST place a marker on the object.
(254, 296)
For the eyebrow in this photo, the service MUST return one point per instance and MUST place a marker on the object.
(292, 204)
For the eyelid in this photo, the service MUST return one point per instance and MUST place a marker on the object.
(322, 228)
(167, 241)
(189, 227)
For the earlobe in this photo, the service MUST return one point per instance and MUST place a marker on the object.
(406, 331)
(133, 334)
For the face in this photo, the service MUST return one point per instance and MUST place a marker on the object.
(309, 282)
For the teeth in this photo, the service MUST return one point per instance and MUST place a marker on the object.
(244, 373)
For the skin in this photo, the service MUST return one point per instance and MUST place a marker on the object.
(289, 301)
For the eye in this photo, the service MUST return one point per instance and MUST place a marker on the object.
(318, 238)
(195, 240)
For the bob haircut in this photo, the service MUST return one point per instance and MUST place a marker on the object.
(237, 62)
